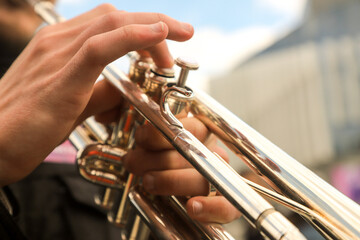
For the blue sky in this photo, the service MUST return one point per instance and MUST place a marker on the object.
(227, 15)
(226, 32)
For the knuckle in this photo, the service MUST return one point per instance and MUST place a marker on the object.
(113, 19)
(90, 50)
(127, 33)
(44, 41)
(161, 16)
(106, 8)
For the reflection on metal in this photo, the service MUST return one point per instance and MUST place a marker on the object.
(102, 164)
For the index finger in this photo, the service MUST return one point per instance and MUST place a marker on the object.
(179, 31)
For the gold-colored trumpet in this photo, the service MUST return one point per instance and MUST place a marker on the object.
(330, 212)
(102, 164)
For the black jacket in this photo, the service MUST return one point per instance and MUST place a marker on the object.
(56, 203)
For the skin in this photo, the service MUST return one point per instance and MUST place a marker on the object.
(166, 172)
(50, 89)
(72, 65)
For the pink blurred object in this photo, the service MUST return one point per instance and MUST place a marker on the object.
(64, 153)
(346, 178)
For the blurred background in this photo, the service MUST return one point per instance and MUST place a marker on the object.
(290, 69)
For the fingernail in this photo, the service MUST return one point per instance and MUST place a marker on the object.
(197, 207)
(187, 27)
(148, 182)
(158, 27)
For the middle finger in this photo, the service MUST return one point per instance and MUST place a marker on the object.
(181, 182)
(136, 163)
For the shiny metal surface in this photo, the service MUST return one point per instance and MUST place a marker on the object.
(106, 200)
(156, 221)
(138, 68)
(247, 200)
(284, 174)
(45, 9)
(80, 138)
(267, 221)
(203, 230)
(101, 164)
(173, 224)
(98, 131)
(218, 172)
(186, 65)
(121, 217)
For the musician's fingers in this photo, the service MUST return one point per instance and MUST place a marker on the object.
(150, 138)
(211, 209)
(87, 16)
(78, 29)
(179, 31)
(161, 55)
(102, 103)
(143, 53)
(181, 182)
(140, 161)
(107, 116)
(104, 19)
(116, 19)
(101, 49)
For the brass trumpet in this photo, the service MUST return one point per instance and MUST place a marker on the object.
(330, 212)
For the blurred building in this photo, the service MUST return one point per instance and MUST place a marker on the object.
(303, 92)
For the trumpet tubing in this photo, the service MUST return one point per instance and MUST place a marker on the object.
(100, 161)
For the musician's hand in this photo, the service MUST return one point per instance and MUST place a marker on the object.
(50, 87)
(166, 172)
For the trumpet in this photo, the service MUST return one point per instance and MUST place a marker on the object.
(330, 212)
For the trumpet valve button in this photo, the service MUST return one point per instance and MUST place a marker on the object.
(186, 65)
